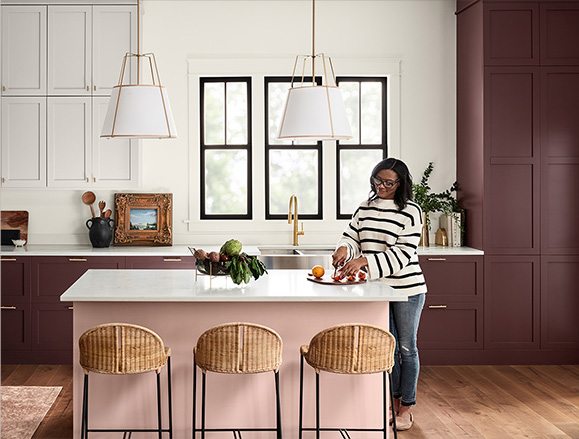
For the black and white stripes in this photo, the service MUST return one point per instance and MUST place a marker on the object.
(388, 238)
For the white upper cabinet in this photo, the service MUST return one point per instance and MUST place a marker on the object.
(23, 142)
(69, 50)
(114, 33)
(114, 161)
(69, 141)
(23, 50)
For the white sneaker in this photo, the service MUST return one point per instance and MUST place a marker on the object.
(404, 421)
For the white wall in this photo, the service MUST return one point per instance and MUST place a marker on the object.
(420, 34)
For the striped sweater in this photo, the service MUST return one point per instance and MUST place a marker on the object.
(388, 238)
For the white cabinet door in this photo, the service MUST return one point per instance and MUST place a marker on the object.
(23, 50)
(69, 138)
(115, 161)
(114, 32)
(24, 142)
(69, 50)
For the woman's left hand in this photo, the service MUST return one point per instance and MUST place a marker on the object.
(352, 267)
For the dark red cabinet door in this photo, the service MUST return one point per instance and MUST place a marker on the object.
(511, 311)
(559, 33)
(511, 33)
(51, 335)
(15, 280)
(453, 277)
(161, 262)
(51, 276)
(512, 161)
(448, 325)
(15, 329)
(559, 302)
(560, 158)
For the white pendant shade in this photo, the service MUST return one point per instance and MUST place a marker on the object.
(139, 112)
(314, 113)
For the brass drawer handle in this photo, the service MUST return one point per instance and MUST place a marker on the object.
(71, 307)
(77, 259)
(7, 307)
(171, 259)
(437, 259)
(436, 306)
(8, 259)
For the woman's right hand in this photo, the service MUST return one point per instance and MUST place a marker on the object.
(339, 256)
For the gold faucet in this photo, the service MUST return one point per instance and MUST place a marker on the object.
(293, 201)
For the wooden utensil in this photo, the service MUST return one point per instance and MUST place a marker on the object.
(89, 198)
(102, 205)
(107, 213)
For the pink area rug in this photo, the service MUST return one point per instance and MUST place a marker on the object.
(23, 408)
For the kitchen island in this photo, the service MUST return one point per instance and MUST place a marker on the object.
(179, 306)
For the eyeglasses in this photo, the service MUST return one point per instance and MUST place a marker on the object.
(388, 184)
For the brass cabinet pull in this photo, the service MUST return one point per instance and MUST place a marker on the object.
(77, 259)
(437, 259)
(94, 87)
(8, 259)
(3, 180)
(7, 307)
(71, 307)
(436, 306)
(3, 88)
(172, 259)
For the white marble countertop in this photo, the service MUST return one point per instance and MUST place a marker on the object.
(183, 250)
(181, 286)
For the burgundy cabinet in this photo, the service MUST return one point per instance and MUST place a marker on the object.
(452, 315)
(511, 312)
(511, 33)
(15, 280)
(160, 262)
(15, 329)
(559, 302)
(559, 33)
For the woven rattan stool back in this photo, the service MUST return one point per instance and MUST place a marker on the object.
(121, 348)
(239, 348)
(351, 349)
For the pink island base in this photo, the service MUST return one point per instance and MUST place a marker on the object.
(232, 400)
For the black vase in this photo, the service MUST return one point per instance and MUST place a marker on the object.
(100, 231)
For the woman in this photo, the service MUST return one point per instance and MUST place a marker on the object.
(382, 238)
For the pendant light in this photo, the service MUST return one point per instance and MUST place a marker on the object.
(141, 110)
(314, 112)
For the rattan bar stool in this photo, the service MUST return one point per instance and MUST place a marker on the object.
(236, 348)
(121, 349)
(349, 349)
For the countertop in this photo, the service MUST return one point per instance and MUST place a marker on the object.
(183, 286)
(183, 250)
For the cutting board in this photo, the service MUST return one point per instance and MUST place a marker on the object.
(15, 220)
(330, 281)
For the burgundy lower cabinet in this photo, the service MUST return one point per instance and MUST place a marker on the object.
(15, 328)
(559, 302)
(15, 287)
(160, 262)
(452, 316)
(512, 302)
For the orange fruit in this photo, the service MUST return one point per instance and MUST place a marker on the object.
(318, 271)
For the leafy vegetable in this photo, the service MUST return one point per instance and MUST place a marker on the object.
(242, 267)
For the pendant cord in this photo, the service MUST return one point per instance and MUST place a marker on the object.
(313, 42)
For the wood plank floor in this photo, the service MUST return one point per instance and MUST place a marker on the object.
(453, 401)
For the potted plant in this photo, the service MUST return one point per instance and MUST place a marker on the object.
(428, 202)
(453, 214)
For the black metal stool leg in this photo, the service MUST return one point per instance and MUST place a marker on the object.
(84, 427)
(159, 424)
(194, 397)
(384, 405)
(203, 378)
(392, 407)
(277, 405)
(169, 394)
(317, 405)
(301, 395)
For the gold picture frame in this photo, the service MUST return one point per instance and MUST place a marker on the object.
(144, 219)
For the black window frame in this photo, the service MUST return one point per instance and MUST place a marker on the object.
(317, 147)
(203, 148)
(360, 146)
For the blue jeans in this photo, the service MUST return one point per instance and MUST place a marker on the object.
(404, 319)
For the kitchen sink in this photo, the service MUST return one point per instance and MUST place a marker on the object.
(295, 258)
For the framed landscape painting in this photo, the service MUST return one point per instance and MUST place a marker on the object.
(143, 219)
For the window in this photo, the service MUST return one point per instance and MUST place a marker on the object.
(365, 100)
(225, 148)
(290, 167)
